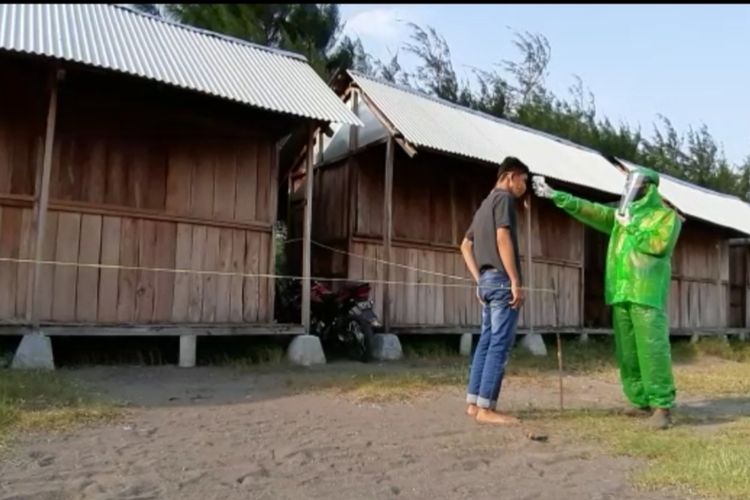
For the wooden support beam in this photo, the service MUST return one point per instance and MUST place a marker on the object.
(582, 283)
(454, 226)
(388, 230)
(307, 231)
(723, 313)
(203, 330)
(354, 131)
(274, 204)
(41, 201)
(531, 299)
(408, 148)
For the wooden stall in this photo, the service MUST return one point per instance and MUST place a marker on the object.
(141, 177)
(433, 197)
(430, 203)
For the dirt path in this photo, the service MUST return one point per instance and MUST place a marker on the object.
(212, 433)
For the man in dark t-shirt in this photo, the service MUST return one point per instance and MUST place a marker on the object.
(490, 250)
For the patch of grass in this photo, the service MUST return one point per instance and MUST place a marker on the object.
(45, 401)
(715, 378)
(241, 352)
(595, 356)
(714, 465)
(709, 367)
(402, 386)
(730, 350)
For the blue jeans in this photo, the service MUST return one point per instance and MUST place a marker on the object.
(499, 322)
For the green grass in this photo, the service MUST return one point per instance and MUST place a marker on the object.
(714, 464)
(709, 367)
(402, 386)
(32, 400)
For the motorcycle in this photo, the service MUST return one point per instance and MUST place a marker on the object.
(344, 320)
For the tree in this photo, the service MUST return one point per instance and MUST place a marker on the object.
(147, 8)
(350, 54)
(531, 71)
(743, 180)
(493, 95)
(264, 24)
(435, 74)
(313, 30)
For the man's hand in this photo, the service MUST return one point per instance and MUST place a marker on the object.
(479, 296)
(541, 188)
(518, 298)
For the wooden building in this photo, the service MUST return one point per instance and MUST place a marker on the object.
(139, 162)
(403, 190)
(408, 199)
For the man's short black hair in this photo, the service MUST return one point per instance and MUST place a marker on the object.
(512, 164)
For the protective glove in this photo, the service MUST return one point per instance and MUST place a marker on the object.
(623, 220)
(541, 188)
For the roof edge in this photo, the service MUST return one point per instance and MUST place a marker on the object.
(356, 74)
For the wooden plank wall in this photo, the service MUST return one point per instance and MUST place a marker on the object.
(330, 202)
(696, 301)
(418, 304)
(738, 275)
(330, 219)
(422, 305)
(177, 194)
(120, 296)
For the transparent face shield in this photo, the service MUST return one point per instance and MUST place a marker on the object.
(633, 186)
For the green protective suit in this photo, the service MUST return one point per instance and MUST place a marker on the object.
(637, 281)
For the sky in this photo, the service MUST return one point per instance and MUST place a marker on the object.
(687, 62)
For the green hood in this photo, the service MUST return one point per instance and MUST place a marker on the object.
(650, 201)
(651, 175)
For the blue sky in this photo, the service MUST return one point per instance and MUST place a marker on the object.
(687, 62)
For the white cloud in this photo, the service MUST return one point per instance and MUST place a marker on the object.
(384, 25)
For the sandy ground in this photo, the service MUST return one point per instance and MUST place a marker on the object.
(220, 433)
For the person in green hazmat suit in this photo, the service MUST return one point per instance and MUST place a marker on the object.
(643, 233)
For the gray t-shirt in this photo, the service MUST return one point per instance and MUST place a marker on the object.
(496, 211)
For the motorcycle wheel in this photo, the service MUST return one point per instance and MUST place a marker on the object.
(363, 349)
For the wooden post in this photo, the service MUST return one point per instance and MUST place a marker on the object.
(307, 231)
(529, 266)
(388, 231)
(719, 288)
(582, 283)
(41, 202)
(274, 202)
(454, 227)
(353, 129)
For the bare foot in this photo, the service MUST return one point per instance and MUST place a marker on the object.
(472, 410)
(485, 416)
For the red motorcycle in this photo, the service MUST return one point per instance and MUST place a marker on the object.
(344, 320)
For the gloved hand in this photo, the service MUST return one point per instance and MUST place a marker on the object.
(541, 188)
(623, 220)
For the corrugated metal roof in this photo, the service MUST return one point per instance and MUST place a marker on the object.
(120, 39)
(442, 126)
(717, 208)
